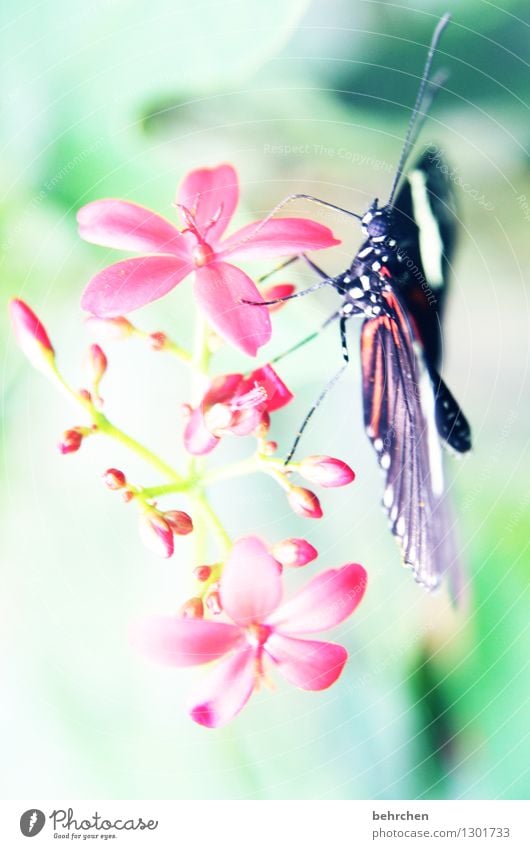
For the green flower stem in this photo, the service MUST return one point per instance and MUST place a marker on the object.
(236, 470)
(106, 427)
(213, 520)
(185, 485)
(202, 354)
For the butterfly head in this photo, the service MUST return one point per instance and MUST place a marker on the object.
(375, 221)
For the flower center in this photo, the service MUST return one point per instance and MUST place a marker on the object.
(258, 634)
(202, 254)
(255, 397)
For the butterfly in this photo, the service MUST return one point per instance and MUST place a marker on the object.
(397, 283)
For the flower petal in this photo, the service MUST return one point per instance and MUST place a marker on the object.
(278, 395)
(221, 389)
(130, 227)
(310, 664)
(208, 193)
(184, 641)
(250, 584)
(197, 438)
(219, 289)
(132, 283)
(224, 690)
(278, 236)
(323, 603)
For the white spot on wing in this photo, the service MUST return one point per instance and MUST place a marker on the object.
(431, 245)
(433, 442)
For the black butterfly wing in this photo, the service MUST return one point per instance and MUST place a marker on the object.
(451, 423)
(425, 226)
(399, 419)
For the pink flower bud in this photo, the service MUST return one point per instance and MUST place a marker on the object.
(213, 603)
(85, 395)
(156, 534)
(114, 479)
(202, 573)
(326, 471)
(31, 336)
(110, 329)
(294, 552)
(179, 522)
(71, 441)
(192, 609)
(157, 341)
(304, 502)
(270, 448)
(127, 495)
(95, 364)
(280, 290)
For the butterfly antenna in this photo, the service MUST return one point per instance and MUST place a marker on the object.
(417, 111)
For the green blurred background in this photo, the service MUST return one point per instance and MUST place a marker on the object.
(121, 98)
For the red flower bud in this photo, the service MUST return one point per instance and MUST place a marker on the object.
(304, 502)
(326, 471)
(71, 441)
(158, 341)
(192, 609)
(31, 336)
(156, 534)
(114, 479)
(280, 290)
(110, 329)
(270, 448)
(95, 364)
(202, 573)
(294, 552)
(179, 522)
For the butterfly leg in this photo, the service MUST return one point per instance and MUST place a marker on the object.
(325, 281)
(300, 294)
(329, 385)
(282, 265)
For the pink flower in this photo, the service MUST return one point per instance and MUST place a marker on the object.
(31, 336)
(206, 202)
(234, 404)
(262, 631)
